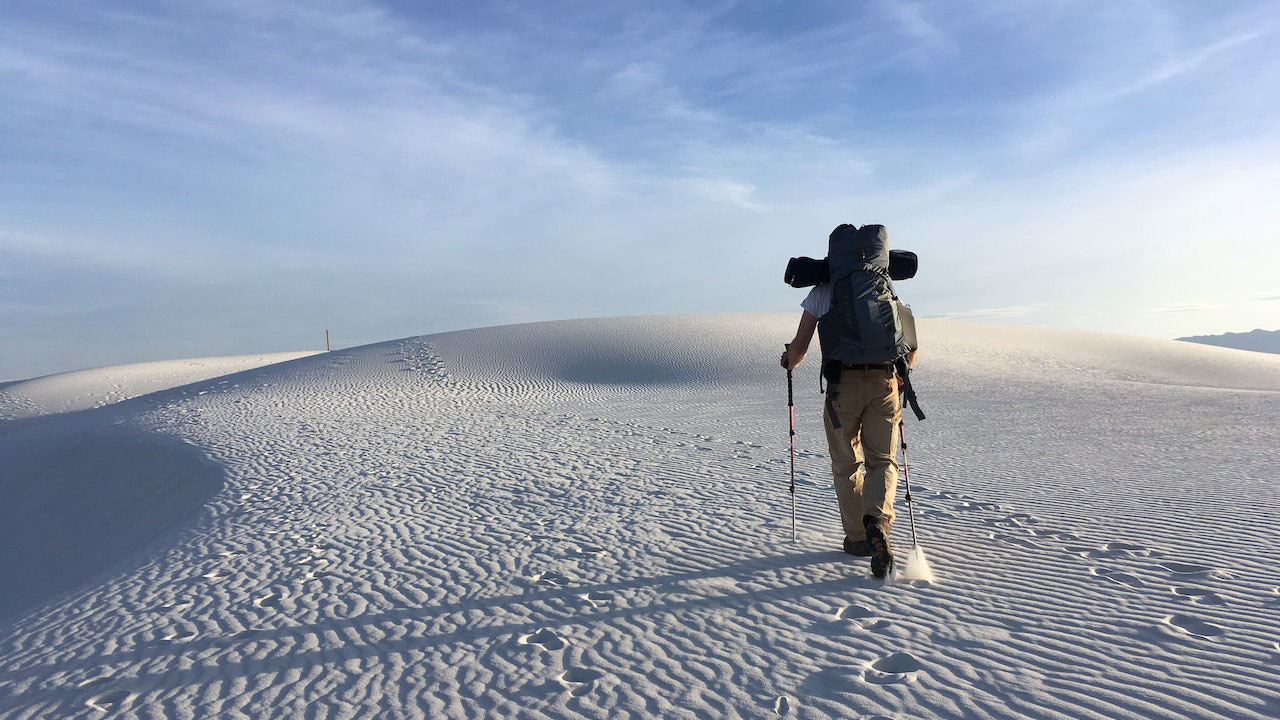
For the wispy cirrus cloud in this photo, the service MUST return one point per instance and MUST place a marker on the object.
(1008, 312)
(913, 21)
(1189, 308)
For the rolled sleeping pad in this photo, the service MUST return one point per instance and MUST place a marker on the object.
(805, 272)
(902, 264)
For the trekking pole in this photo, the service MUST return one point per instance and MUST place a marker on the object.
(911, 513)
(791, 411)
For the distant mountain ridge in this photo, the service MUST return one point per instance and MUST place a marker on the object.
(1259, 340)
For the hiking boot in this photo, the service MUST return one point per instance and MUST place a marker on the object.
(861, 548)
(881, 553)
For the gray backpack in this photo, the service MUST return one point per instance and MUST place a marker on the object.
(866, 324)
(863, 326)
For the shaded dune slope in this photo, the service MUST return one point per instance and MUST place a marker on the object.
(90, 478)
(79, 501)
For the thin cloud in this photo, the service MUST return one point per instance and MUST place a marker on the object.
(1145, 62)
(994, 313)
(723, 190)
(100, 255)
(1188, 308)
(912, 20)
(1186, 63)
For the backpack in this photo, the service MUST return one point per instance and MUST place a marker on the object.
(863, 326)
(867, 324)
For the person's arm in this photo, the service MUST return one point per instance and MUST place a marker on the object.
(800, 344)
(911, 363)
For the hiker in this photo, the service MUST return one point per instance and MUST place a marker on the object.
(863, 406)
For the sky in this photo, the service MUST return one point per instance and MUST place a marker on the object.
(185, 179)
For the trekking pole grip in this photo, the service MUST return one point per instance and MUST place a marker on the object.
(790, 394)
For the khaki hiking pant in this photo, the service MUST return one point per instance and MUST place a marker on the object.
(868, 409)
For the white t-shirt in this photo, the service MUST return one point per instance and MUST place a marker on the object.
(818, 301)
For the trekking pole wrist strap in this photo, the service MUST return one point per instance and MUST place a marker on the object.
(907, 390)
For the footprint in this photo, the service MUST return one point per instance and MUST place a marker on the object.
(174, 607)
(1005, 523)
(1109, 551)
(94, 682)
(854, 612)
(270, 600)
(551, 578)
(1194, 626)
(1117, 576)
(859, 617)
(1187, 569)
(579, 681)
(544, 639)
(181, 635)
(106, 702)
(597, 599)
(899, 667)
(589, 551)
(1019, 540)
(1200, 596)
(782, 705)
(1126, 546)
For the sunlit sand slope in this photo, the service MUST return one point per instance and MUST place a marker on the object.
(84, 389)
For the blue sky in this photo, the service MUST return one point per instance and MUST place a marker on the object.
(185, 179)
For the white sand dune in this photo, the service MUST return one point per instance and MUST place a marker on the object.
(84, 389)
(590, 519)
